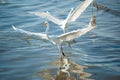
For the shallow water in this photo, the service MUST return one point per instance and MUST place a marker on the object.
(98, 50)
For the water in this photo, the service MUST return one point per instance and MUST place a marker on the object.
(98, 50)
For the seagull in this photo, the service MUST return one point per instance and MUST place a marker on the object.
(60, 39)
(72, 16)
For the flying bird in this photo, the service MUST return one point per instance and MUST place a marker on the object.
(72, 16)
(59, 40)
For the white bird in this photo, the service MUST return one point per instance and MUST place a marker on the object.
(59, 40)
(72, 16)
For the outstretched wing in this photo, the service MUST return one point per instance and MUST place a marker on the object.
(79, 10)
(33, 35)
(69, 36)
(47, 16)
(77, 33)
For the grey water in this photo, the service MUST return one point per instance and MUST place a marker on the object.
(98, 50)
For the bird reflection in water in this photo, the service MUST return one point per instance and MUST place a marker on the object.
(66, 70)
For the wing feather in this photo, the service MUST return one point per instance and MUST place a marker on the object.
(48, 16)
(70, 35)
(79, 10)
(32, 34)
(77, 33)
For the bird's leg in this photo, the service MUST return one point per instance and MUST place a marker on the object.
(62, 52)
(28, 42)
(69, 44)
(62, 55)
(26, 39)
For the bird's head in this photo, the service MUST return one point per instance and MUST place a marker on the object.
(93, 20)
(45, 23)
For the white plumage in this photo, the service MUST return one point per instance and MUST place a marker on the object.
(72, 16)
(40, 36)
(61, 38)
(79, 10)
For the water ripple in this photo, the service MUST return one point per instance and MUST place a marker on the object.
(98, 49)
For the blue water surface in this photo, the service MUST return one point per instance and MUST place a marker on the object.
(99, 49)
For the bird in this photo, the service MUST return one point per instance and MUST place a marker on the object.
(60, 39)
(72, 15)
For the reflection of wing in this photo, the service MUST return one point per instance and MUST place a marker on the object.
(31, 34)
(47, 16)
(78, 11)
(77, 33)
